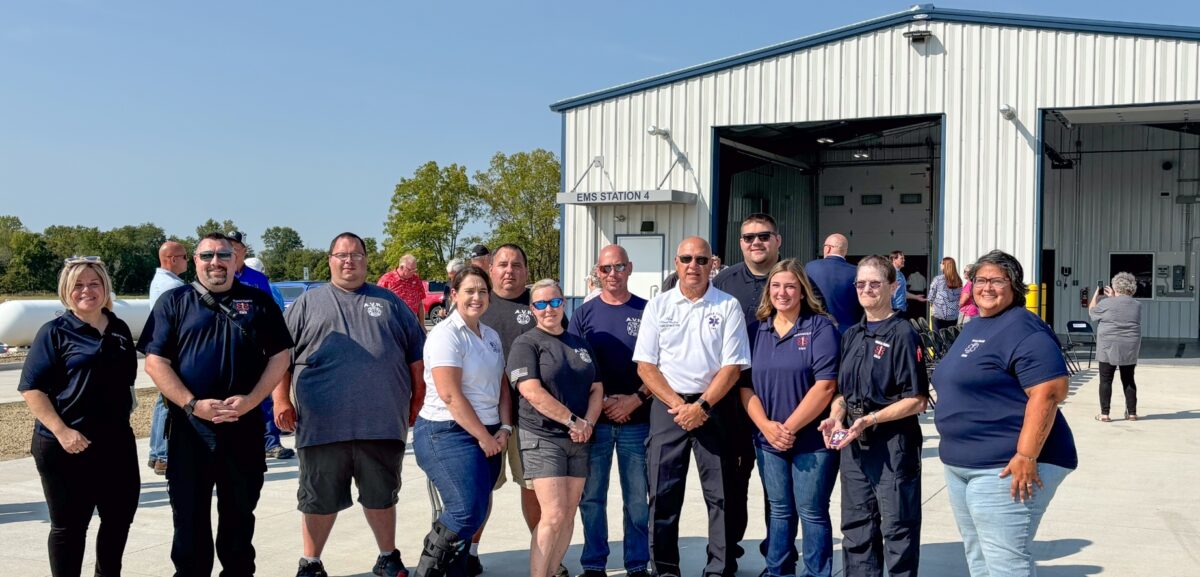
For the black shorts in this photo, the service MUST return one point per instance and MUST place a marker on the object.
(544, 457)
(326, 470)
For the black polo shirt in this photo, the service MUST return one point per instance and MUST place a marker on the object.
(881, 364)
(216, 356)
(86, 374)
(747, 288)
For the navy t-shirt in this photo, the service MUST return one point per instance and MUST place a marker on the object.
(981, 385)
(786, 368)
(87, 375)
(564, 365)
(611, 331)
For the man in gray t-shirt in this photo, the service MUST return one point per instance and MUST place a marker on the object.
(355, 386)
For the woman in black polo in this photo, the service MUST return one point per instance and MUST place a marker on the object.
(882, 385)
(76, 381)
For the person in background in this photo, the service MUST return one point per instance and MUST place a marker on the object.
(406, 283)
(593, 286)
(944, 294)
(901, 297)
(76, 381)
(1005, 446)
(833, 282)
(453, 267)
(966, 300)
(172, 262)
(1118, 318)
(481, 257)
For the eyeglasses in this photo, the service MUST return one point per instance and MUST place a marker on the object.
(862, 284)
(175, 257)
(609, 268)
(351, 256)
(554, 302)
(761, 236)
(687, 259)
(82, 260)
(998, 282)
(208, 255)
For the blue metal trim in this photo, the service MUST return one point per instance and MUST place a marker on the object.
(562, 209)
(942, 192)
(1041, 206)
(713, 185)
(916, 14)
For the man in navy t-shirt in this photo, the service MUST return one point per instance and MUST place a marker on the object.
(610, 324)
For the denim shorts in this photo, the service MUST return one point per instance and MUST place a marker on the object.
(544, 457)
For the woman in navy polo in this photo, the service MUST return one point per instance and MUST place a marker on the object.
(76, 381)
(882, 385)
(1005, 446)
(795, 360)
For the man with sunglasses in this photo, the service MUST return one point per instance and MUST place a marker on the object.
(215, 350)
(610, 324)
(172, 262)
(760, 242)
(690, 353)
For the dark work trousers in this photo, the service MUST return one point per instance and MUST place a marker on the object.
(103, 478)
(667, 459)
(740, 455)
(881, 501)
(236, 468)
(1106, 379)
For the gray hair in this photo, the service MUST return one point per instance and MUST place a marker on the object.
(455, 266)
(544, 283)
(1012, 269)
(1124, 283)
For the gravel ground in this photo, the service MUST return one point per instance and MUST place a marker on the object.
(16, 424)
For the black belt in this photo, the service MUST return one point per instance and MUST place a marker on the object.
(690, 398)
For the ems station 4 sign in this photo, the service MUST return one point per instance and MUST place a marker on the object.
(628, 197)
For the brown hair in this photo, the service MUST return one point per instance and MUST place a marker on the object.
(811, 303)
(883, 263)
(950, 271)
(471, 270)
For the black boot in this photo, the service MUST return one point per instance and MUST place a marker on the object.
(442, 554)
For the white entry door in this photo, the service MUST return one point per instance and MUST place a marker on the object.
(646, 251)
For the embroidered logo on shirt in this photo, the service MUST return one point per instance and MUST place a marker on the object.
(374, 309)
(881, 348)
(583, 354)
(802, 341)
(714, 321)
(523, 316)
(518, 373)
(971, 347)
(632, 325)
(494, 346)
(242, 306)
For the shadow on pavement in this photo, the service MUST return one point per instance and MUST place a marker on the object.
(950, 560)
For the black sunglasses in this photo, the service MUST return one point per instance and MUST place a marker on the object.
(554, 302)
(221, 255)
(608, 268)
(687, 259)
(761, 236)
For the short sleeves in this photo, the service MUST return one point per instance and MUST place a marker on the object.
(271, 330)
(1037, 359)
(1097, 312)
(735, 349)
(826, 352)
(41, 368)
(444, 348)
(414, 338)
(523, 361)
(647, 347)
(158, 334)
(911, 375)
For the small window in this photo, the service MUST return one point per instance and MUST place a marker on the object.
(914, 198)
(872, 199)
(835, 200)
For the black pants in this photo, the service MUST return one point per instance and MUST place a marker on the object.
(667, 461)
(103, 478)
(1106, 380)
(236, 468)
(740, 457)
(881, 502)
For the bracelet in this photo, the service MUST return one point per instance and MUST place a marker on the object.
(507, 429)
(875, 419)
(1033, 459)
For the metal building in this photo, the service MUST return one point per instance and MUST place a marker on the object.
(1073, 144)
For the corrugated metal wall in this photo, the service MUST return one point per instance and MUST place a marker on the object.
(1112, 202)
(783, 192)
(965, 72)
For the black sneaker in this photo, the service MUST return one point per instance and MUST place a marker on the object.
(311, 569)
(641, 573)
(594, 573)
(390, 565)
(280, 452)
(474, 566)
(562, 572)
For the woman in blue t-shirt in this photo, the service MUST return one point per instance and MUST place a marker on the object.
(1005, 446)
(795, 362)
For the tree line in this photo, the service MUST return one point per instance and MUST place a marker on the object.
(427, 217)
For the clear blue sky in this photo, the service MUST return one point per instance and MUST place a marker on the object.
(306, 114)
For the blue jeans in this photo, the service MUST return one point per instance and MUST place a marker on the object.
(463, 475)
(798, 486)
(158, 424)
(271, 434)
(629, 441)
(997, 530)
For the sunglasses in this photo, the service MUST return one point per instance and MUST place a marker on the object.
(82, 260)
(554, 302)
(862, 284)
(687, 259)
(208, 255)
(609, 268)
(759, 236)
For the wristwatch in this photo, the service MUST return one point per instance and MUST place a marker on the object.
(704, 406)
(190, 407)
(642, 396)
(507, 429)
(571, 422)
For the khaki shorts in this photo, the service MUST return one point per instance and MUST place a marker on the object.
(512, 454)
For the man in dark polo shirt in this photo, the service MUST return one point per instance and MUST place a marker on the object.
(610, 325)
(215, 351)
(760, 241)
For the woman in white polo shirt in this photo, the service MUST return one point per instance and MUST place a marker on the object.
(464, 423)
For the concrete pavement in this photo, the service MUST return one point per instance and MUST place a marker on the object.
(1129, 510)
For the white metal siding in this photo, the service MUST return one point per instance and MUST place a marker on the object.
(966, 72)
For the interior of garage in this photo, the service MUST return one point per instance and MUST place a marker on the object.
(874, 180)
(1120, 192)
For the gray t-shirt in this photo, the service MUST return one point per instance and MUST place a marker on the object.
(511, 318)
(1118, 330)
(350, 366)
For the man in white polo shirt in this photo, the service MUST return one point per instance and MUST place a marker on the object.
(691, 347)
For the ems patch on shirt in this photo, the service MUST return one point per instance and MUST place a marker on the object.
(242, 306)
(713, 321)
(971, 347)
(803, 340)
(632, 325)
(881, 348)
(518, 373)
(374, 309)
(523, 316)
(583, 355)
(494, 346)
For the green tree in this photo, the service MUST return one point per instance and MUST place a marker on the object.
(8, 226)
(66, 241)
(221, 226)
(31, 265)
(278, 243)
(131, 253)
(519, 192)
(427, 215)
(314, 259)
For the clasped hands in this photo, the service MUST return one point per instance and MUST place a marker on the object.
(689, 416)
(223, 411)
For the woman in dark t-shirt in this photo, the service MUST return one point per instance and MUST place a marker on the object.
(1004, 444)
(560, 401)
(76, 381)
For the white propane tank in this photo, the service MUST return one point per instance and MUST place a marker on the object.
(20, 320)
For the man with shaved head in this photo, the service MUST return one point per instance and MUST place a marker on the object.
(690, 352)
(172, 262)
(833, 279)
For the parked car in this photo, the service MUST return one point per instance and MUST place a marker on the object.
(292, 289)
(433, 303)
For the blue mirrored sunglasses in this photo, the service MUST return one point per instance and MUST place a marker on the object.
(554, 302)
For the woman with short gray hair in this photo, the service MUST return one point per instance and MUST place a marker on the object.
(1118, 318)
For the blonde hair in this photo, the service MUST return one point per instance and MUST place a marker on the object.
(70, 275)
(545, 283)
(810, 303)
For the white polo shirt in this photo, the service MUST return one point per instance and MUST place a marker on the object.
(691, 341)
(452, 344)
